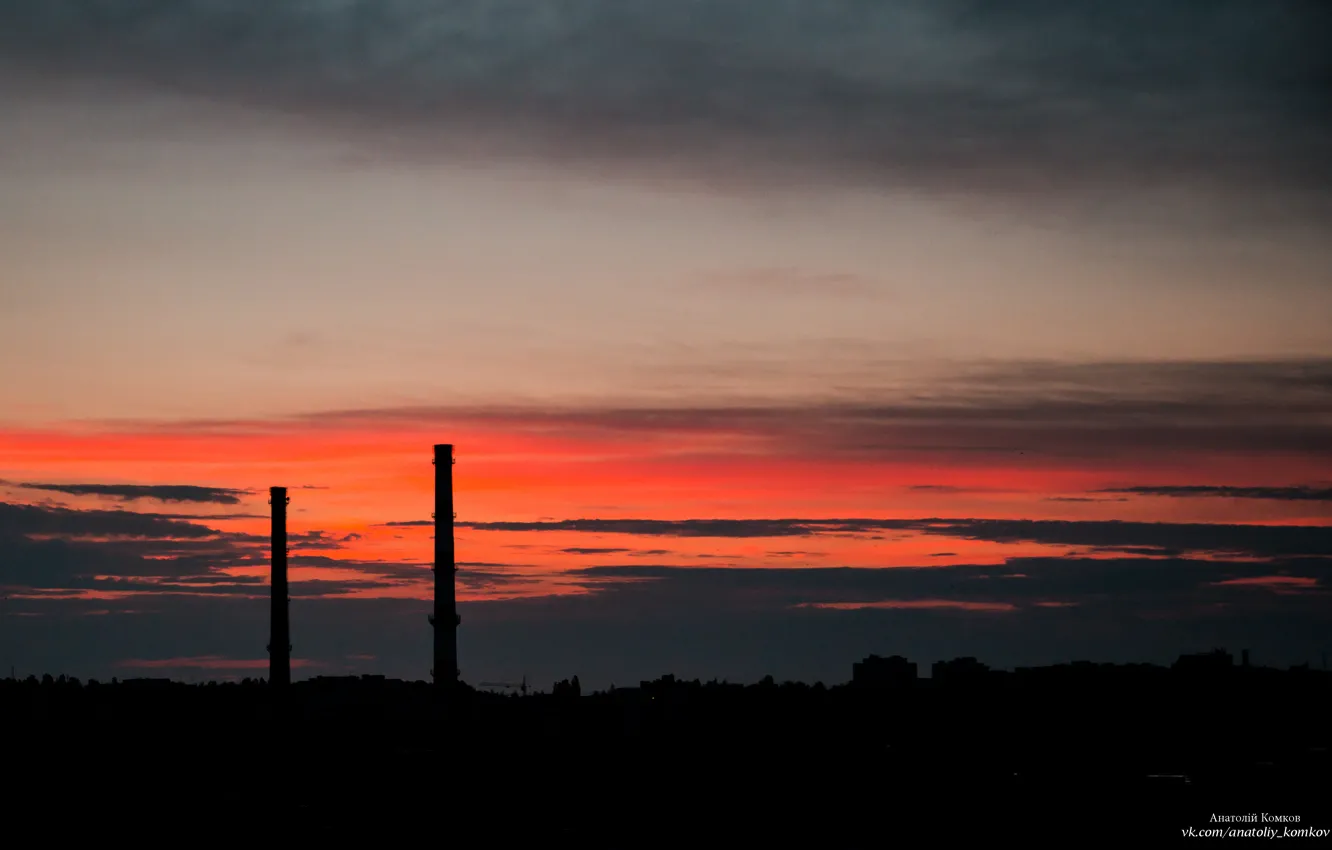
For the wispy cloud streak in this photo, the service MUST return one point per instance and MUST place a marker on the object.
(1280, 494)
(157, 492)
(1040, 410)
(1254, 540)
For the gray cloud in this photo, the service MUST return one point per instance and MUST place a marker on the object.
(322, 587)
(1022, 582)
(671, 528)
(745, 622)
(1281, 494)
(317, 540)
(56, 564)
(196, 517)
(1134, 411)
(390, 570)
(737, 624)
(1259, 541)
(28, 519)
(58, 549)
(493, 577)
(59, 634)
(158, 492)
(951, 95)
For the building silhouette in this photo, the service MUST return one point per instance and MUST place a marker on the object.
(877, 672)
(959, 670)
(1218, 660)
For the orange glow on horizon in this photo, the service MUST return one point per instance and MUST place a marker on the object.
(348, 478)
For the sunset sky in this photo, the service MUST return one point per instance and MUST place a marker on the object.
(770, 334)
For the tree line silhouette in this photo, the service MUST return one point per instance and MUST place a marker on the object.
(1200, 727)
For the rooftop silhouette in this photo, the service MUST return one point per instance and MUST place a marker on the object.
(1199, 732)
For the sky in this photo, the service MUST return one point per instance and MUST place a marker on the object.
(770, 334)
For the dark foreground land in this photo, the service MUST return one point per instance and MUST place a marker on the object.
(1069, 754)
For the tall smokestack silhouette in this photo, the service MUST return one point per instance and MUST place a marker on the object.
(445, 619)
(279, 645)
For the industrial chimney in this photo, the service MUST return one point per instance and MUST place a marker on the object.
(445, 619)
(279, 646)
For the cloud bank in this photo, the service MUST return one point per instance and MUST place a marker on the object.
(63, 552)
(1279, 494)
(1121, 590)
(1162, 538)
(158, 492)
(1130, 410)
(944, 95)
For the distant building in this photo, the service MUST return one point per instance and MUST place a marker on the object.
(663, 684)
(876, 672)
(959, 669)
(1204, 662)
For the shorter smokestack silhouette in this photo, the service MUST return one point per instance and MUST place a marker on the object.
(279, 645)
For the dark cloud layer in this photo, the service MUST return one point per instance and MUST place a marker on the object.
(158, 492)
(1040, 411)
(1259, 541)
(1272, 597)
(737, 624)
(59, 564)
(197, 517)
(29, 519)
(47, 549)
(667, 528)
(953, 95)
(1111, 583)
(1280, 494)
(743, 623)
